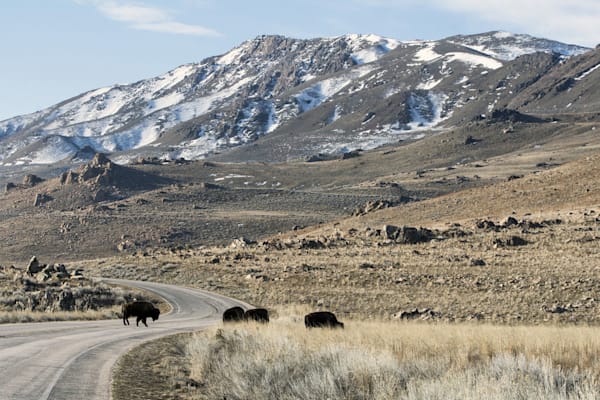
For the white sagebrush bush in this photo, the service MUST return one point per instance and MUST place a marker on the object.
(382, 361)
(506, 377)
(239, 364)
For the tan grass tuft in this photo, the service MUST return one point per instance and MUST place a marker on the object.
(384, 360)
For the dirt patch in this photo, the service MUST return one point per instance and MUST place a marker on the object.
(158, 369)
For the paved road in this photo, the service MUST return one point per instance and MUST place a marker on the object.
(73, 360)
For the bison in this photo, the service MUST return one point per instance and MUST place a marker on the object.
(257, 314)
(233, 314)
(322, 319)
(141, 310)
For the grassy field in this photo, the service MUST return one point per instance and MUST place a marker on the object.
(376, 360)
(471, 276)
(506, 318)
(507, 322)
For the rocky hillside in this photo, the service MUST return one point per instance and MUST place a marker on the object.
(305, 96)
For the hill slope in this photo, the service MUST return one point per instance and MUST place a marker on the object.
(310, 96)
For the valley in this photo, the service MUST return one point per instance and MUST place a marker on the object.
(437, 184)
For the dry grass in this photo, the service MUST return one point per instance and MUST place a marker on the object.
(383, 360)
(23, 298)
(551, 280)
(551, 283)
(153, 370)
(40, 316)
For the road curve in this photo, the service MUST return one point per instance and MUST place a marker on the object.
(74, 359)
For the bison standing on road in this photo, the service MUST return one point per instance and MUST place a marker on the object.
(322, 319)
(233, 314)
(257, 314)
(141, 310)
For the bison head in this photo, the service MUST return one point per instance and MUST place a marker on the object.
(155, 314)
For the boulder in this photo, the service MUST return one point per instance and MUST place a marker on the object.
(471, 140)
(61, 271)
(487, 225)
(415, 313)
(371, 206)
(9, 186)
(557, 309)
(241, 242)
(68, 178)
(390, 232)
(350, 154)
(34, 266)
(512, 241)
(410, 235)
(41, 198)
(516, 241)
(311, 244)
(31, 180)
(66, 301)
(407, 234)
(510, 221)
(477, 262)
(43, 276)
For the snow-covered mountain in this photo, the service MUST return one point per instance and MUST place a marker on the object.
(309, 96)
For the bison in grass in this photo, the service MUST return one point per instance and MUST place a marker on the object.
(141, 310)
(322, 319)
(233, 314)
(257, 314)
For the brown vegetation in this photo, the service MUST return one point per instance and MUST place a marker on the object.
(466, 273)
(377, 360)
(51, 292)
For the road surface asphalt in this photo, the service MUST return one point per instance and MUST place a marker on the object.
(74, 359)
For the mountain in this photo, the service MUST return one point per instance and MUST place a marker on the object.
(275, 98)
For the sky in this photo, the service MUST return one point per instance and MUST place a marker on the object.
(52, 50)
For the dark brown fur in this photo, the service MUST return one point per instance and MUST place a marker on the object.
(322, 319)
(233, 314)
(141, 310)
(257, 314)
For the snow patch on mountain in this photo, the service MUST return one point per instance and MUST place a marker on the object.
(56, 149)
(318, 93)
(429, 84)
(587, 72)
(474, 59)
(164, 102)
(16, 124)
(507, 46)
(186, 111)
(371, 139)
(195, 149)
(273, 120)
(427, 53)
(260, 87)
(426, 110)
(379, 46)
(337, 114)
(233, 56)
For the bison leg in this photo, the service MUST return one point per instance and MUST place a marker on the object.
(125, 320)
(143, 319)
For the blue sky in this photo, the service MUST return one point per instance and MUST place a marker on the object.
(52, 50)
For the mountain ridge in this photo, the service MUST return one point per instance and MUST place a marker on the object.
(332, 94)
